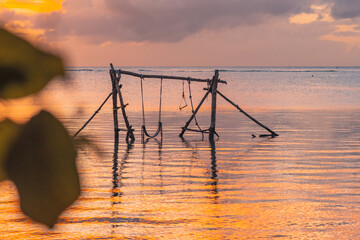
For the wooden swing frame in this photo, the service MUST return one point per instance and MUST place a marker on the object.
(211, 89)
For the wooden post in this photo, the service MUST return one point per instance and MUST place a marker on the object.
(130, 133)
(115, 80)
(115, 107)
(214, 84)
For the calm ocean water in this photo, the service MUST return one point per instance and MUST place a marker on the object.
(304, 184)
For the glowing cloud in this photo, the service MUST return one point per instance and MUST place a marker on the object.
(347, 34)
(184, 32)
(347, 28)
(162, 21)
(318, 13)
(352, 42)
(21, 16)
(304, 18)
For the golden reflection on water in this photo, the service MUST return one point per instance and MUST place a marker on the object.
(295, 186)
(304, 184)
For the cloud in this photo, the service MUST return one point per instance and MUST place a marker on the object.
(304, 18)
(7, 16)
(162, 20)
(315, 13)
(159, 21)
(346, 34)
(346, 9)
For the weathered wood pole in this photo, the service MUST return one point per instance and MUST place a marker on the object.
(167, 77)
(273, 134)
(91, 118)
(214, 84)
(115, 107)
(116, 89)
(130, 133)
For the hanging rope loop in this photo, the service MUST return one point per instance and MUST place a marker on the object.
(192, 108)
(183, 97)
(143, 127)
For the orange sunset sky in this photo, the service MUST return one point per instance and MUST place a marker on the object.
(191, 32)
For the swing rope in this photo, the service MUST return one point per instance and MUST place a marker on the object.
(183, 97)
(142, 100)
(192, 109)
(161, 84)
(143, 127)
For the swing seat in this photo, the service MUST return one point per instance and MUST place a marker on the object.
(143, 127)
(159, 129)
(182, 107)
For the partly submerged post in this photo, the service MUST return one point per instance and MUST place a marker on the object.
(214, 84)
(115, 107)
(116, 89)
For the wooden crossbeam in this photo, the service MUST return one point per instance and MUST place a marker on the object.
(166, 77)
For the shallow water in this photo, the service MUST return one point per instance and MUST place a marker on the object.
(304, 184)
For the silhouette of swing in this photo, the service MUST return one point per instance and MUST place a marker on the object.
(143, 127)
(211, 88)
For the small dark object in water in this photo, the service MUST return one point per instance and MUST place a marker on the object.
(253, 136)
(266, 135)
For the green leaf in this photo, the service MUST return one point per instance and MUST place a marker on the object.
(24, 69)
(8, 132)
(41, 163)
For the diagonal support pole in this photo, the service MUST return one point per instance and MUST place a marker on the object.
(194, 113)
(91, 118)
(273, 134)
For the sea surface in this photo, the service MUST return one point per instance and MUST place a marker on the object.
(303, 184)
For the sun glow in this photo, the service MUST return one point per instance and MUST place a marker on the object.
(32, 7)
(25, 11)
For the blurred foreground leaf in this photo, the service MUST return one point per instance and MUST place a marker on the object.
(8, 132)
(41, 163)
(24, 69)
